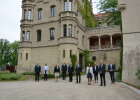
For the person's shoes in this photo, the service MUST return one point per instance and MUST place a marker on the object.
(100, 85)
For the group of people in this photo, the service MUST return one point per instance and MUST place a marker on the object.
(90, 72)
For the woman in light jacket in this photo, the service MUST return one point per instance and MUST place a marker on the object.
(46, 71)
(89, 73)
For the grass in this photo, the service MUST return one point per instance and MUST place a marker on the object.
(6, 76)
(10, 76)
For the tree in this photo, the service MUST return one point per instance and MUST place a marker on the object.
(73, 59)
(8, 52)
(4, 52)
(110, 7)
(86, 57)
(14, 53)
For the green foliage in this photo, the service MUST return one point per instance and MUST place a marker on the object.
(73, 59)
(4, 72)
(11, 76)
(138, 74)
(8, 52)
(91, 63)
(14, 52)
(110, 7)
(28, 73)
(121, 51)
(86, 57)
(119, 75)
(87, 13)
(4, 52)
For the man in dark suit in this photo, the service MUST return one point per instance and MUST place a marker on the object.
(64, 70)
(70, 70)
(111, 69)
(95, 71)
(102, 71)
(37, 72)
(78, 73)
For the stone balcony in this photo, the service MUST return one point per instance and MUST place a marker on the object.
(68, 14)
(25, 44)
(68, 40)
(26, 22)
(104, 47)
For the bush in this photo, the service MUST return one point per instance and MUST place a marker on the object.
(138, 74)
(73, 59)
(119, 75)
(4, 72)
(11, 76)
(28, 73)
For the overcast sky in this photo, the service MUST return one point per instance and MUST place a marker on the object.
(10, 16)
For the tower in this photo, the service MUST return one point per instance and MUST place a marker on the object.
(49, 33)
(131, 42)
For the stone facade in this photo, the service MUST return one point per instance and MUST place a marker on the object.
(131, 39)
(52, 30)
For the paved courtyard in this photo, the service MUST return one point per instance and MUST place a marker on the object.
(64, 90)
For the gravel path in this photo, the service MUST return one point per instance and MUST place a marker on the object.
(64, 90)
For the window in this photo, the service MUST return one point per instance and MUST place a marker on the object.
(26, 56)
(25, 14)
(53, 11)
(69, 33)
(70, 30)
(68, 5)
(108, 24)
(23, 36)
(38, 35)
(21, 56)
(65, 5)
(65, 30)
(27, 37)
(40, 13)
(29, 14)
(52, 32)
(100, 25)
(70, 53)
(83, 40)
(63, 53)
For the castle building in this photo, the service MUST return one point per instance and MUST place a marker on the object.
(52, 30)
(131, 39)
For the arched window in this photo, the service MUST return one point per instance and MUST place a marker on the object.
(53, 10)
(52, 33)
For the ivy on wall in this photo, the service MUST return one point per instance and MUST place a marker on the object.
(87, 13)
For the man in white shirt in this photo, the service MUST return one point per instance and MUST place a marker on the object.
(46, 69)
